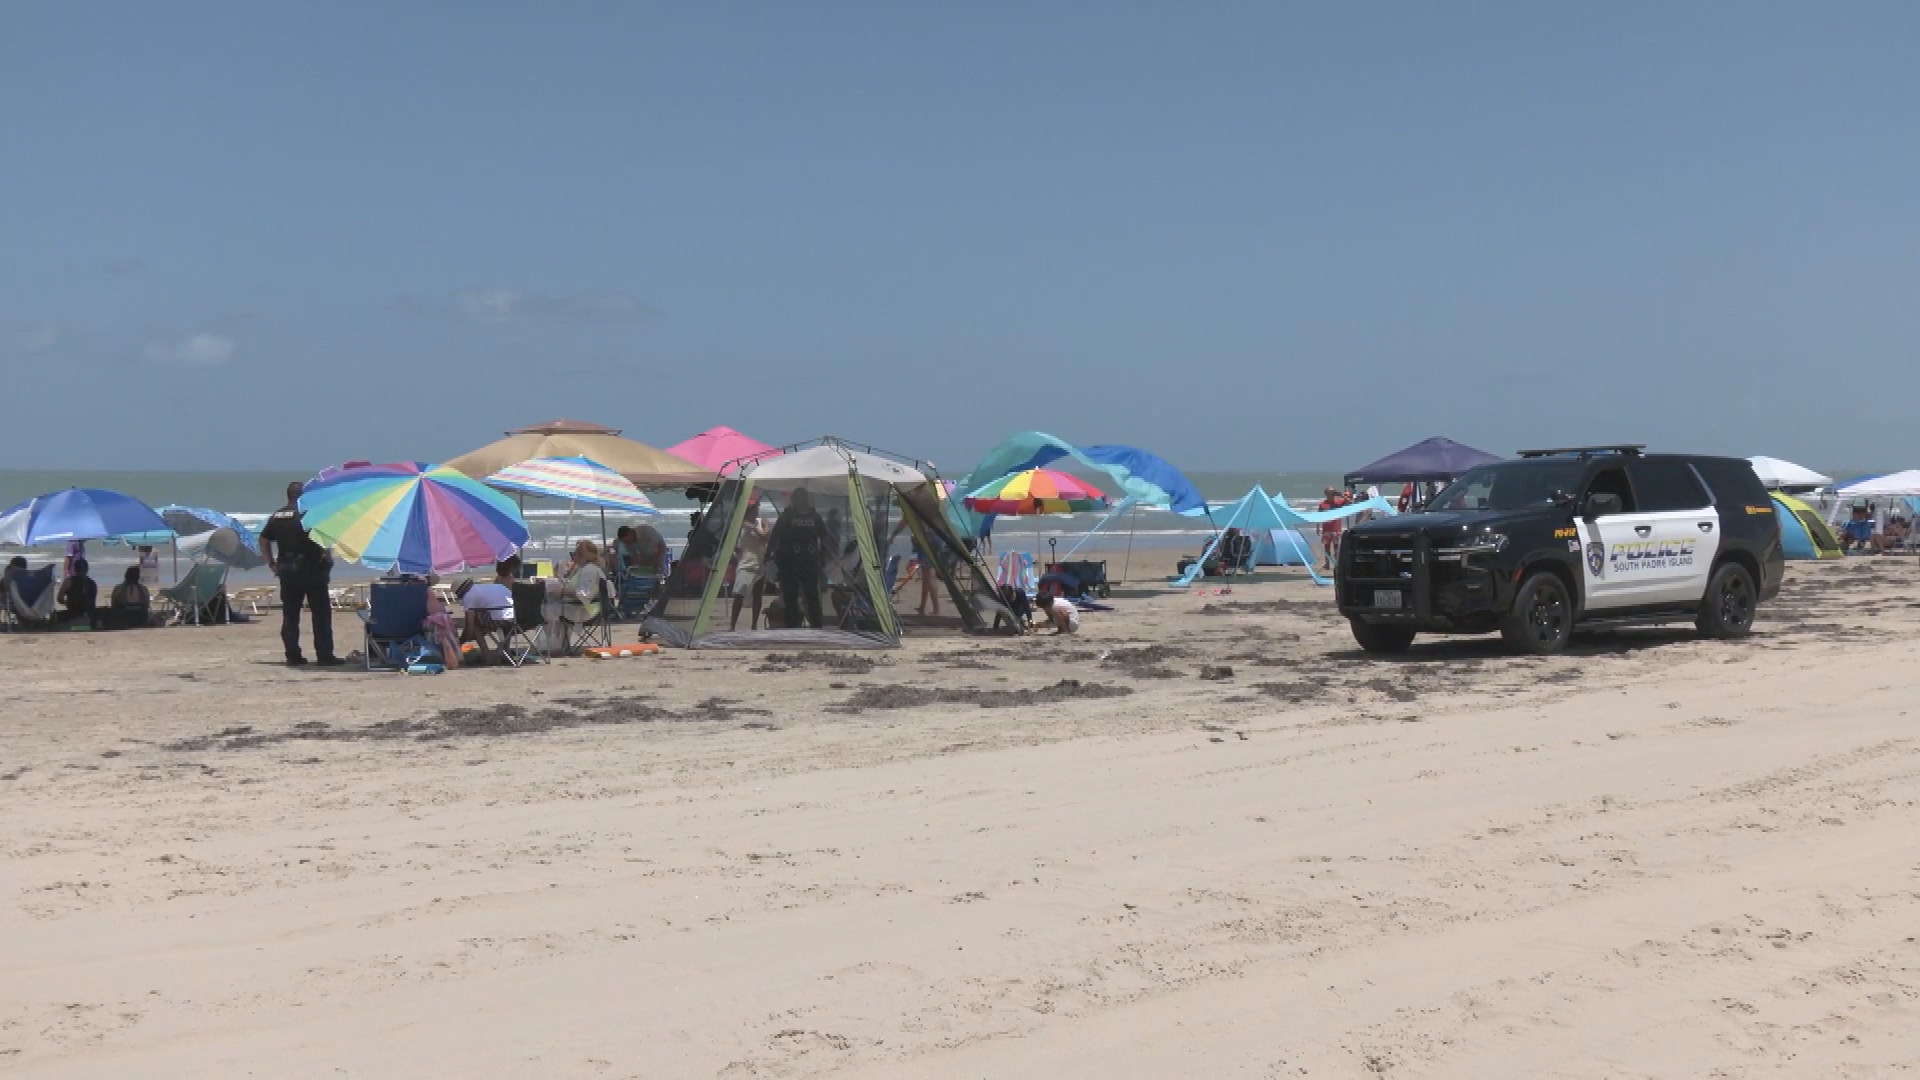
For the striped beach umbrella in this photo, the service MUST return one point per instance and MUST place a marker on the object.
(576, 478)
(412, 516)
(1037, 491)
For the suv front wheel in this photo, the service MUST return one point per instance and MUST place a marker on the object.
(1541, 621)
(1381, 637)
(1727, 609)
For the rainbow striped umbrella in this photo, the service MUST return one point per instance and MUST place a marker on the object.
(575, 478)
(1037, 491)
(413, 516)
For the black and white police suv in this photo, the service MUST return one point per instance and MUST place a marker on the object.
(1560, 540)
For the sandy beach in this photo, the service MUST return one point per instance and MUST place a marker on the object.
(1206, 837)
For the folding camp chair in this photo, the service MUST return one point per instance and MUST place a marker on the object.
(1236, 553)
(597, 631)
(200, 597)
(636, 593)
(396, 623)
(29, 601)
(518, 639)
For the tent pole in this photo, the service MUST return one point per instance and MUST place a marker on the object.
(1124, 505)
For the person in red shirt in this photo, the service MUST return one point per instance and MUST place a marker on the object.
(1330, 530)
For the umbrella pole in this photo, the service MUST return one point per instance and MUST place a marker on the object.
(566, 543)
(1133, 518)
(603, 532)
(175, 544)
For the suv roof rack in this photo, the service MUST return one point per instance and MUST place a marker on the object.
(1623, 449)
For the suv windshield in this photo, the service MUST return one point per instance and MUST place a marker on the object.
(1509, 486)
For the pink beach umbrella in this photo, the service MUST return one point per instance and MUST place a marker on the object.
(714, 448)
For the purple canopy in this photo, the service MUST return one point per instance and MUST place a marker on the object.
(1433, 461)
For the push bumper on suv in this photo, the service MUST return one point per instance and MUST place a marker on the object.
(1405, 578)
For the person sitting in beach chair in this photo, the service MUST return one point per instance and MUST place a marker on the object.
(488, 605)
(29, 594)
(79, 595)
(1857, 535)
(586, 602)
(1894, 535)
(130, 605)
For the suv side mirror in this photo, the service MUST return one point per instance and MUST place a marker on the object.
(1600, 504)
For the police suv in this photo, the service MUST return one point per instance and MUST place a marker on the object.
(1559, 540)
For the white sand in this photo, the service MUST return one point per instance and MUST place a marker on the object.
(1679, 859)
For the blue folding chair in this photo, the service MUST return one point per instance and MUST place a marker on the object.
(636, 594)
(396, 623)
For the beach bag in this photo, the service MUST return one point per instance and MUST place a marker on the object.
(420, 652)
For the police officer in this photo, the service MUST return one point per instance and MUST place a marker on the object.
(798, 547)
(303, 567)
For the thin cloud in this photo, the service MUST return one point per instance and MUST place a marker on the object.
(497, 305)
(40, 338)
(197, 350)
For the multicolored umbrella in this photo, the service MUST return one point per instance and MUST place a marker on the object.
(576, 478)
(1037, 491)
(413, 516)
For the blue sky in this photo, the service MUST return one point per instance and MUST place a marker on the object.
(1255, 235)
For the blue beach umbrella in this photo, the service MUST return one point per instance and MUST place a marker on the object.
(77, 514)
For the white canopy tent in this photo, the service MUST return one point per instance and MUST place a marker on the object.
(799, 467)
(1892, 485)
(1779, 475)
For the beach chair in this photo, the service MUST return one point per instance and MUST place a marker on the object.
(594, 632)
(396, 623)
(29, 601)
(200, 597)
(636, 593)
(255, 599)
(1236, 553)
(516, 640)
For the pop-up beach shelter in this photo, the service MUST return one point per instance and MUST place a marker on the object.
(1430, 461)
(1803, 535)
(644, 465)
(1260, 513)
(860, 503)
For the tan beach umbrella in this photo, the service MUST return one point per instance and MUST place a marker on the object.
(644, 465)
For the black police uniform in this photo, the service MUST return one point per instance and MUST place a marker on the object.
(798, 547)
(304, 568)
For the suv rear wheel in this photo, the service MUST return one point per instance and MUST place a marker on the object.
(1381, 637)
(1541, 621)
(1727, 609)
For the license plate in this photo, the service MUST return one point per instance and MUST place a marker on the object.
(1386, 598)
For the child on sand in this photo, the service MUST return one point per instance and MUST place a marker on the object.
(1061, 613)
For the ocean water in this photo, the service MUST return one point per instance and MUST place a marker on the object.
(250, 496)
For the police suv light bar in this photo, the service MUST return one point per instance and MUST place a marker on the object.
(1626, 449)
